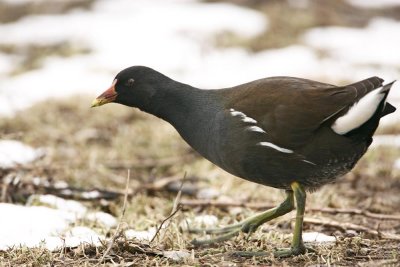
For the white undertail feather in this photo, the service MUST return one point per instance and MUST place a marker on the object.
(359, 113)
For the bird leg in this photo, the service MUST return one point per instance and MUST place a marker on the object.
(249, 225)
(297, 246)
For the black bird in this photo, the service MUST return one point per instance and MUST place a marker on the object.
(284, 132)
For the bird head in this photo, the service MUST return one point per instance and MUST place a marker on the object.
(133, 86)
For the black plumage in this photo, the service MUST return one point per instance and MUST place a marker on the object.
(279, 131)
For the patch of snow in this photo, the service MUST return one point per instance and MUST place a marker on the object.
(78, 235)
(145, 235)
(73, 238)
(60, 203)
(14, 153)
(318, 237)
(374, 3)
(357, 53)
(396, 164)
(91, 195)
(119, 33)
(6, 63)
(386, 140)
(21, 91)
(377, 40)
(39, 226)
(102, 218)
(76, 208)
(29, 226)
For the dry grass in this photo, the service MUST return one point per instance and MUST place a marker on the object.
(82, 142)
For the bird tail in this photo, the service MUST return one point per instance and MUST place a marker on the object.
(382, 108)
(388, 108)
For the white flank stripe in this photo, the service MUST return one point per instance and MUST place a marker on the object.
(255, 129)
(249, 120)
(281, 149)
(359, 113)
(243, 116)
(309, 162)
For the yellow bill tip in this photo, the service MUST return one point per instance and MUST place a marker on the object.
(97, 102)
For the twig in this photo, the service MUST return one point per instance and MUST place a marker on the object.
(223, 204)
(346, 226)
(259, 206)
(117, 231)
(175, 208)
(144, 164)
(43, 186)
(162, 183)
(364, 213)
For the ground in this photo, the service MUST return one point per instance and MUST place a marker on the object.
(94, 149)
(112, 139)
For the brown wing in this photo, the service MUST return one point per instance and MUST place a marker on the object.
(290, 110)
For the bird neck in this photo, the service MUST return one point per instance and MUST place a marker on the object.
(175, 101)
(188, 109)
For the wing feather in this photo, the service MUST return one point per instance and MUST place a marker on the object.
(290, 110)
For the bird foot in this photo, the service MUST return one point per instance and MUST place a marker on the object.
(293, 251)
(225, 233)
(247, 226)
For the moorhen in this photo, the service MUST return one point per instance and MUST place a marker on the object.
(284, 132)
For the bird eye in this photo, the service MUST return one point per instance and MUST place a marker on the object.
(130, 82)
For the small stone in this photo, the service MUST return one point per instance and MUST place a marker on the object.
(365, 242)
(396, 164)
(207, 193)
(364, 251)
(351, 233)
(60, 184)
(176, 255)
(235, 211)
(88, 134)
(318, 237)
(198, 221)
(350, 253)
(206, 220)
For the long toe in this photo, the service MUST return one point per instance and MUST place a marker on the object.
(220, 238)
(250, 254)
(222, 230)
(294, 251)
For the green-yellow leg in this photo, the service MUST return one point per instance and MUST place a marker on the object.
(247, 226)
(297, 247)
